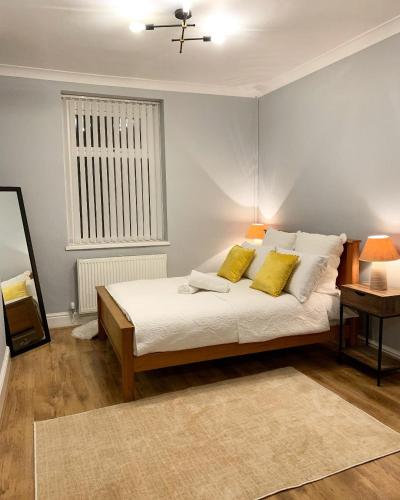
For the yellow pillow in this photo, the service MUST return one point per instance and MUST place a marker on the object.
(15, 291)
(275, 273)
(236, 263)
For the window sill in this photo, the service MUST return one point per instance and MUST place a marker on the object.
(104, 246)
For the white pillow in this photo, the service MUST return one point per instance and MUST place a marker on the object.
(279, 239)
(330, 246)
(261, 252)
(204, 281)
(306, 274)
(31, 288)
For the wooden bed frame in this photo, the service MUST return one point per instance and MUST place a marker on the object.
(114, 325)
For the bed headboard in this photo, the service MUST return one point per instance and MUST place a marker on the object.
(349, 268)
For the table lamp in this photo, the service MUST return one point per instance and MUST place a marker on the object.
(378, 250)
(256, 232)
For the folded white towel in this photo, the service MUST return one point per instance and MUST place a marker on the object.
(208, 282)
(186, 288)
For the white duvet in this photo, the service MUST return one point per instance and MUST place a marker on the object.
(167, 321)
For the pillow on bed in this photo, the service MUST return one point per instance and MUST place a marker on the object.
(280, 239)
(330, 246)
(236, 263)
(261, 252)
(20, 277)
(16, 290)
(275, 273)
(306, 276)
(31, 288)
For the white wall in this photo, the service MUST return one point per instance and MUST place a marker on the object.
(329, 148)
(211, 159)
(330, 152)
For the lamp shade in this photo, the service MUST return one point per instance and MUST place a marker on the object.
(379, 248)
(256, 231)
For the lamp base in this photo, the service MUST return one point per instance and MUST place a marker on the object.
(378, 276)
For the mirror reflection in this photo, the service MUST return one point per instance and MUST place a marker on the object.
(25, 319)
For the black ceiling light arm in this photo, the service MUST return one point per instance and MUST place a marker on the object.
(151, 27)
(183, 16)
(182, 40)
(202, 38)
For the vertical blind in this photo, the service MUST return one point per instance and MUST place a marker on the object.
(114, 171)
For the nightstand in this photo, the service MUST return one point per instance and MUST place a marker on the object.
(24, 322)
(381, 304)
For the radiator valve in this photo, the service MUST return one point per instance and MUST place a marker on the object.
(73, 311)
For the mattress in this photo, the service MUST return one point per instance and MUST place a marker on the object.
(167, 321)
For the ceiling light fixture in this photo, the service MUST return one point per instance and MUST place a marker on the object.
(186, 6)
(221, 25)
(137, 27)
(218, 38)
(183, 15)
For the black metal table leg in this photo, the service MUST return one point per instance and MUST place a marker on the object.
(341, 334)
(367, 328)
(378, 377)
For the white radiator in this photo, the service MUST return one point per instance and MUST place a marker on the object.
(96, 272)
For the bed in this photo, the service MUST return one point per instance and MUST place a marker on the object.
(163, 339)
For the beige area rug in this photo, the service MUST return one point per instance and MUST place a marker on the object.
(241, 439)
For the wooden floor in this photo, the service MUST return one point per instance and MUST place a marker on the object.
(70, 376)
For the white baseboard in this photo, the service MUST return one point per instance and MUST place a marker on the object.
(4, 375)
(64, 319)
(388, 350)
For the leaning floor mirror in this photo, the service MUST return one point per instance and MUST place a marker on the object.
(24, 313)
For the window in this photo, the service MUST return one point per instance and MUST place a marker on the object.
(114, 172)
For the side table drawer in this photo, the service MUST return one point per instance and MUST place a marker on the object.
(372, 304)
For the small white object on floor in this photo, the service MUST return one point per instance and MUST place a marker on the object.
(186, 288)
(86, 331)
(208, 282)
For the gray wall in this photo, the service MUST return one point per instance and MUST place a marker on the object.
(330, 152)
(14, 256)
(211, 158)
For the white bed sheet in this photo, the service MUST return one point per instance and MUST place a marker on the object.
(332, 304)
(167, 321)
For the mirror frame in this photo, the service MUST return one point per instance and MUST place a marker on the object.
(47, 337)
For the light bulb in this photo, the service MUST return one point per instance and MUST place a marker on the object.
(221, 25)
(218, 38)
(187, 4)
(137, 27)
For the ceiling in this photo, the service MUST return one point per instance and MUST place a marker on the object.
(266, 39)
